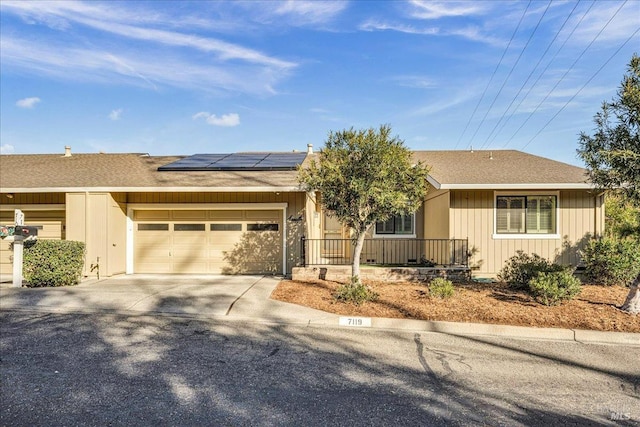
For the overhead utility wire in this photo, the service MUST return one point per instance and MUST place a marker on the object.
(583, 86)
(546, 68)
(565, 73)
(513, 67)
(486, 142)
(493, 75)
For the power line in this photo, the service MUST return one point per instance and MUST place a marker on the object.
(585, 85)
(495, 98)
(493, 75)
(565, 73)
(486, 142)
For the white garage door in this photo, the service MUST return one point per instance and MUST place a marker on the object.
(203, 241)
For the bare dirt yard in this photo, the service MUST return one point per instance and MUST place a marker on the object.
(595, 308)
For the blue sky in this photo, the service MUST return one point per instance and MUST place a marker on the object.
(203, 77)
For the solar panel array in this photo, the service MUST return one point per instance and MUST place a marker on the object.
(237, 162)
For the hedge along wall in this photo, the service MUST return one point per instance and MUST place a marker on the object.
(53, 263)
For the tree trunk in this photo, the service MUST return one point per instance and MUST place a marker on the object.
(355, 268)
(632, 303)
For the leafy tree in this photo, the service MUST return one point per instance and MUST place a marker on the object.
(612, 154)
(622, 218)
(365, 176)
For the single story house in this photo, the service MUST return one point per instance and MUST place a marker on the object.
(245, 213)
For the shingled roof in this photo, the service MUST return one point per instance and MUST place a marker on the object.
(127, 172)
(498, 169)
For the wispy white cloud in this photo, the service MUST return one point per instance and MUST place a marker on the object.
(468, 32)
(620, 28)
(28, 102)
(140, 69)
(7, 149)
(442, 104)
(440, 9)
(418, 82)
(117, 23)
(115, 114)
(375, 25)
(310, 12)
(143, 49)
(225, 120)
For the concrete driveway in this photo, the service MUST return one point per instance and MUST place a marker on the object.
(192, 295)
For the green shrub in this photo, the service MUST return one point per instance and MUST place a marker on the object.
(54, 263)
(551, 288)
(441, 288)
(612, 261)
(521, 268)
(355, 291)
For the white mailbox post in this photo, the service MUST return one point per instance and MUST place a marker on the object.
(18, 250)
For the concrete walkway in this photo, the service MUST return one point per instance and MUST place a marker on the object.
(246, 298)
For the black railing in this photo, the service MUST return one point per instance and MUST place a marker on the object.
(393, 252)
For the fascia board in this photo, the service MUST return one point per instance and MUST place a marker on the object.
(547, 186)
(431, 180)
(153, 189)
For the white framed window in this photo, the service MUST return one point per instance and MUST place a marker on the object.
(396, 226)
(528, 215)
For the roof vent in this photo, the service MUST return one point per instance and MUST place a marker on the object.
(309, 148)
(490, 155)
(471, 149)
(67, 151)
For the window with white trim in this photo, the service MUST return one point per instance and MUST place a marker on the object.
(530, 214)
(397, 225)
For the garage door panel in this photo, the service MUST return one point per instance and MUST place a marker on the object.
(219, 244)
(190, 215)
(153, 267)
(153, 239)
(188, 239)
(189, 266)
(152, 215)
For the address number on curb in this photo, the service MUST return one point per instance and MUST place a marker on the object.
(363, 322)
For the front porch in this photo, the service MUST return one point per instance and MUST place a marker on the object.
(385, 259)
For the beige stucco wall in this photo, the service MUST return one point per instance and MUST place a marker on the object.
(472, 216)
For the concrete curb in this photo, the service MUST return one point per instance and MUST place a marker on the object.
(483, 329)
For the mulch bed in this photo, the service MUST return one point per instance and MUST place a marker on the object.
(595, 308)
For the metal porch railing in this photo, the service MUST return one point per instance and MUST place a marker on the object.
(384, 251)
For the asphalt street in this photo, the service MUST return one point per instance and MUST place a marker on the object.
(99, 369)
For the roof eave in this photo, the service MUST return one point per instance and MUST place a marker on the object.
(530, 186)
(260, 189)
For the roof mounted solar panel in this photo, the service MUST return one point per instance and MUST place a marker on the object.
(237, 162)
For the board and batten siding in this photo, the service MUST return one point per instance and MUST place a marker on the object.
(471, 216)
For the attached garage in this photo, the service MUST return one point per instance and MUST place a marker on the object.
(201, 241)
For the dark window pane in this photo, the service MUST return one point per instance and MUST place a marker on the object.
(153, 227)
(226, 227)
(188, 227)
(385, 227)
(262, 227)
